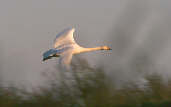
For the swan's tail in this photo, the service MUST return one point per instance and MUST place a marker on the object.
(49, 54)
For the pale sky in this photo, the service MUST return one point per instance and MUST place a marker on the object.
(28, 28)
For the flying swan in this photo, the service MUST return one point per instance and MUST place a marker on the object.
(65, 46)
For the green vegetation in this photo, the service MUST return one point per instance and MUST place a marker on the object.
(90, 88)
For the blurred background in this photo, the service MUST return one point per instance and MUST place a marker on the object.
(138, 66)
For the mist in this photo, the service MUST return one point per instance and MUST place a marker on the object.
(137, 31)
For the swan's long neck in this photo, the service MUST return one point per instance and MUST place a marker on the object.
(90, 49)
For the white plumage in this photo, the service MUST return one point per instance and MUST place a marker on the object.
(65, 46)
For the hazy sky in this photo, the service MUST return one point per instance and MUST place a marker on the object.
(134, 29)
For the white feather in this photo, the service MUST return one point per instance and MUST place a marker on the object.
(65, 46)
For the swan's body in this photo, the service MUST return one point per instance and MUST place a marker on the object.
(65, 47)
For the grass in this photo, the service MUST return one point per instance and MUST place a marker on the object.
(90, 88)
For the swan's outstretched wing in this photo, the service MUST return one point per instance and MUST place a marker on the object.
(64, 38)
(65, 58)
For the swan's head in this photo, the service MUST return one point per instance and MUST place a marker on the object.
(105, 48)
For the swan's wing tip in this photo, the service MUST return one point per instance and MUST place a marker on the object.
(73, 29)
(70, 29)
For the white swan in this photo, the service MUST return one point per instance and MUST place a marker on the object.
(65, 47)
